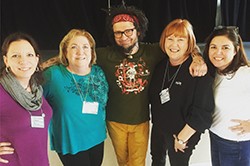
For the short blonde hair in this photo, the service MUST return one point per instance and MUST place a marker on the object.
(65, 42)
(181, 28)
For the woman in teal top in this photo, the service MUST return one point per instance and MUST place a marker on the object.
(77, 91)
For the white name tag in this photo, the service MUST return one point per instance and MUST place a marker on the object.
(164, 96)
(37, 121)
(90, 107)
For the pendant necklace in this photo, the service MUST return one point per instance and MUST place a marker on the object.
(130, 56)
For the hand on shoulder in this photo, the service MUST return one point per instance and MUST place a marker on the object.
(198, 67)
(50, 62)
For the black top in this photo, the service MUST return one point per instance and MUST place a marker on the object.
(191, 99)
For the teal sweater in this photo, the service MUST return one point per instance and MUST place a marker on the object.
(72, 131)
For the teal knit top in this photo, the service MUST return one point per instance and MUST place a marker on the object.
(72, 129)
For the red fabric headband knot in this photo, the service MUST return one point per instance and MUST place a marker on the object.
(125, 18)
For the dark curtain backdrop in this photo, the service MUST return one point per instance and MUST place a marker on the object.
(49, 20)
(237, 13)
(201, 14)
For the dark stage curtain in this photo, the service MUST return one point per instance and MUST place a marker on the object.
(237, 13)
(49, 20)
(200, 13)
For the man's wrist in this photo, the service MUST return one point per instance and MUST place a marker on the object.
(198, 59)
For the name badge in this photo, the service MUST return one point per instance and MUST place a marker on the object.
(164, 96)
(37, 121)
(90, 107)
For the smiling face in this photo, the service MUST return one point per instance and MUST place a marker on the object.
(221, 52)
(127, 42)
(176, 49)
(79, 52)
(21, 59)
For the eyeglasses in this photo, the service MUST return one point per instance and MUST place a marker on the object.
(127, 32)
(234, 28)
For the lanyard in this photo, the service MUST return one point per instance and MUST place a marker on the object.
(174, 76)
(83, 98)
(42, 114)
(37, 121)
(79, 89)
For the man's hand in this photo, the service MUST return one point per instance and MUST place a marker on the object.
(50, 62)
(198, 67)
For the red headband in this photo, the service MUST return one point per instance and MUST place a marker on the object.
(125, 18)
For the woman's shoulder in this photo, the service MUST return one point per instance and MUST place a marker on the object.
(96, 67)
(151, 48)
(2, 90)
(54, 72)
(55, 68)
(97, 70)
(243, 71)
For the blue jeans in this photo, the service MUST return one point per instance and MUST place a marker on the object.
(229, 153)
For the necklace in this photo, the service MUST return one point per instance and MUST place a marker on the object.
(169, 79)
(165, 94)
(130, 57)
(132, 51)
(83, 98)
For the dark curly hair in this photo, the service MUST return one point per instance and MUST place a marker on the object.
(141, 26)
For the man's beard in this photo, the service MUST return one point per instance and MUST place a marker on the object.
(128, 50)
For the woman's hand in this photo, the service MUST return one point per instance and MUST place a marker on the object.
(198, 67)
(242, 127)
(5, 149)
(179, 145)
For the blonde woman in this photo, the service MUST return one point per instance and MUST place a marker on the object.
(77, 90)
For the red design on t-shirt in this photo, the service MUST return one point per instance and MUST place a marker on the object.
(132, 76)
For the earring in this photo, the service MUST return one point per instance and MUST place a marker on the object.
(37, 69)
(7, 69)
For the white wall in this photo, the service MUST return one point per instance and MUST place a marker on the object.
(200, 157)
